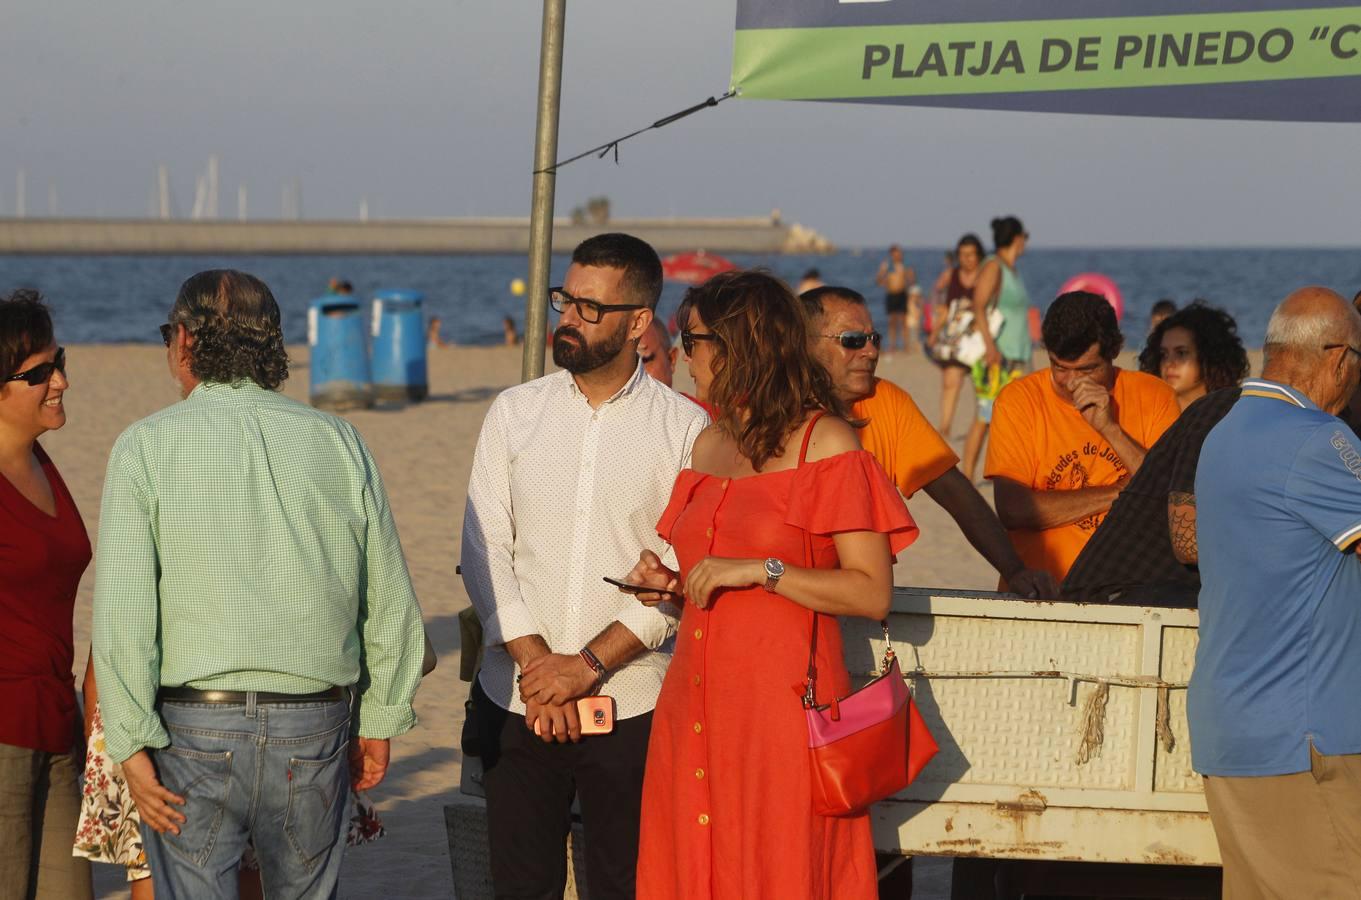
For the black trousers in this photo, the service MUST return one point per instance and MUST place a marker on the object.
(530, 786)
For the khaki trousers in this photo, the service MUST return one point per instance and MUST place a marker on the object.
(39, 809)
(1284, 837)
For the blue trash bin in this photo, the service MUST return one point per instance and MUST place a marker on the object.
(340, 355)
(399, 364)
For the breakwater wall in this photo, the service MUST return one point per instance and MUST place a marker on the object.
(417, 236)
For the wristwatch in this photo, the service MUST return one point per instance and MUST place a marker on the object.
(774, 571)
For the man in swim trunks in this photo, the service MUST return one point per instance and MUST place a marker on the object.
(895, 278)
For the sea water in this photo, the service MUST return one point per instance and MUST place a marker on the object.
(106, 299)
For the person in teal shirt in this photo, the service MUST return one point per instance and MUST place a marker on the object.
(1001, 313)
(252, 610)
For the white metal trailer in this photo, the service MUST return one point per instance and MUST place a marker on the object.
(1062, 730)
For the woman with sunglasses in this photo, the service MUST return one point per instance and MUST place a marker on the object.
(727, 796)
(43, 551)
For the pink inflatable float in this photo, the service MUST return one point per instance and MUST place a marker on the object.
(1096, 283)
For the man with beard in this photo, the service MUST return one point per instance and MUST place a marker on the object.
(571, 473)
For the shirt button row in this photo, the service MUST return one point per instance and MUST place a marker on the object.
(699, 633)
(698, 728)
(703, 818)
(699, 773)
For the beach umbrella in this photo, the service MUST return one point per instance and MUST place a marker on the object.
(695, 267)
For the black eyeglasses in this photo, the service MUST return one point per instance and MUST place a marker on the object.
(167, 332)
(688, 339)
(589, 310)
(42, 372)
(1348, 346)
(856, 340)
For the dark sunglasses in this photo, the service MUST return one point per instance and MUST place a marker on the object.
(42, 372)
(856, 340)
(688, 339)
(167, 332)
(589, 310)
(1348, 346)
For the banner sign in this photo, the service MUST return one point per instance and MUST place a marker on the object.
(1230, 59)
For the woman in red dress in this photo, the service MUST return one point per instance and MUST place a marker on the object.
(727, 803)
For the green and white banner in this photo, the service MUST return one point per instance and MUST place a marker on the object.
(1217, 59)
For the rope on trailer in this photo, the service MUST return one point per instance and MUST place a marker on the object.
(1093, 730)
(1094, 724)
(1133, 681)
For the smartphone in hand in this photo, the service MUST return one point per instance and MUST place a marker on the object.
(596, 714)
(628, 588)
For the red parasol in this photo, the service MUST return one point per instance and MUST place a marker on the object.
(694, 268)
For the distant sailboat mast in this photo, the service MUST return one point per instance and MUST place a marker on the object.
(200, 198)
(162, 192)
(210, 204)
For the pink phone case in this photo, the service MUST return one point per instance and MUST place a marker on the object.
(596, 714)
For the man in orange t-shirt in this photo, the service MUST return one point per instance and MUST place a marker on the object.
(1065, 440)
(896, 433)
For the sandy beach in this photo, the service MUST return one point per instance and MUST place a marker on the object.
(425, 452)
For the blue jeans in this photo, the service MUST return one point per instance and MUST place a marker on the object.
(272, 774)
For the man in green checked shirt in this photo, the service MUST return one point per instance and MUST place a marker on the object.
(250, 583)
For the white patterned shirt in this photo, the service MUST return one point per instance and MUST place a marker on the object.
(560, 496)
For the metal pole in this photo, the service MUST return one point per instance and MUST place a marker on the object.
(541, 217)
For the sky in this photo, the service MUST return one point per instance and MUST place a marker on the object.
(427, 109)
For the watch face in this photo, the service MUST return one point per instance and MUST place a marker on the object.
(774, 568)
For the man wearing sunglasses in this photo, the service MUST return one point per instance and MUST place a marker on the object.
(896, 433)
(1275, 724)
(571, 473)
(254, 621)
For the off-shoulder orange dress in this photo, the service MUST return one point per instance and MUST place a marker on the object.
(727, 805)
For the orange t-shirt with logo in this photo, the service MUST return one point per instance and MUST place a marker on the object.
(896, 434)
(1041, 441)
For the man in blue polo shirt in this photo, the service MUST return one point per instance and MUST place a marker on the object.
(1273, 706)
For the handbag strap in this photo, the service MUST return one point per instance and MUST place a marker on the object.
(810, 682)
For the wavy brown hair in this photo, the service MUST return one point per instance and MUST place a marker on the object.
(765, 379)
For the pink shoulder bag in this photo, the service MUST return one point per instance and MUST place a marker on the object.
(869, 744)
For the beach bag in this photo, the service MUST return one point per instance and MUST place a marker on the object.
(968, 346)
(869, 744)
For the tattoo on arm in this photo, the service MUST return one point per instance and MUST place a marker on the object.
(1181, 524)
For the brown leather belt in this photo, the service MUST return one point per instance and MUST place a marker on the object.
(190, 695)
